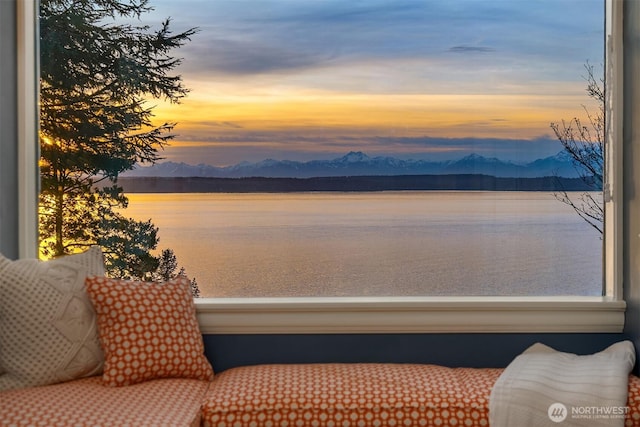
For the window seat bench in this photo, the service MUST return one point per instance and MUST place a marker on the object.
(345, 395)
(359, 395)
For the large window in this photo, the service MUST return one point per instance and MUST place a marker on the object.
(445, 107)
(370, 109)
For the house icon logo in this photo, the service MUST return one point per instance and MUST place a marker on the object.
(557, 412)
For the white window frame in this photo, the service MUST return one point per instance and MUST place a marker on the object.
(28, 88)
(380, 314)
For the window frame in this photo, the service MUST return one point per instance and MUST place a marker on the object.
(376, 314)
(28, 88)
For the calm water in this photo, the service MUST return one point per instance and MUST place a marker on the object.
(389, 243)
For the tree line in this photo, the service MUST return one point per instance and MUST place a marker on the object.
(358, 183)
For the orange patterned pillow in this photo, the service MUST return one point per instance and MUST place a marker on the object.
(148, 330)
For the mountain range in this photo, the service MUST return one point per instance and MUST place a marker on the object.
(357, 163)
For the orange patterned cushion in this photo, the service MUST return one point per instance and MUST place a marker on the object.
(148, 330)
(633, 402)
(88, 403)
(350, 395)
(354, 395)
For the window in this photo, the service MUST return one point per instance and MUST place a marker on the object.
(336, 91)
(415, 314)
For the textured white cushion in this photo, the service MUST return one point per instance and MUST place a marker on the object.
(542, 386)
(48, 331)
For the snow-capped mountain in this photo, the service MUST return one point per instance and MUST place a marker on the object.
(358, 163)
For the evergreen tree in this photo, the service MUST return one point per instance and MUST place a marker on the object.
(168, 264)
(95, 123)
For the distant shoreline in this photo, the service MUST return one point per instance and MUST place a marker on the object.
(462, 182)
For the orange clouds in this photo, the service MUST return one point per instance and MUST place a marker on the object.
(503, 116)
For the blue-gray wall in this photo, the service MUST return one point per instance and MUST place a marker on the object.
(469, 350)
(8, 131)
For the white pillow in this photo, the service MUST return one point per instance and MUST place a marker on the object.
(542, 387)
(48, 331)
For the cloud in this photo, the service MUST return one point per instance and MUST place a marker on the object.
(242, 57)
(254, 38)
(257, 52)
(215, 124)
(465, 49)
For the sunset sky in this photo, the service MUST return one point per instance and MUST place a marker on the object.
(429, 79)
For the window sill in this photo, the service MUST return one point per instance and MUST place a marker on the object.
(409, 315)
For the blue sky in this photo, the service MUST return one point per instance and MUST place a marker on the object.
(306, 79)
